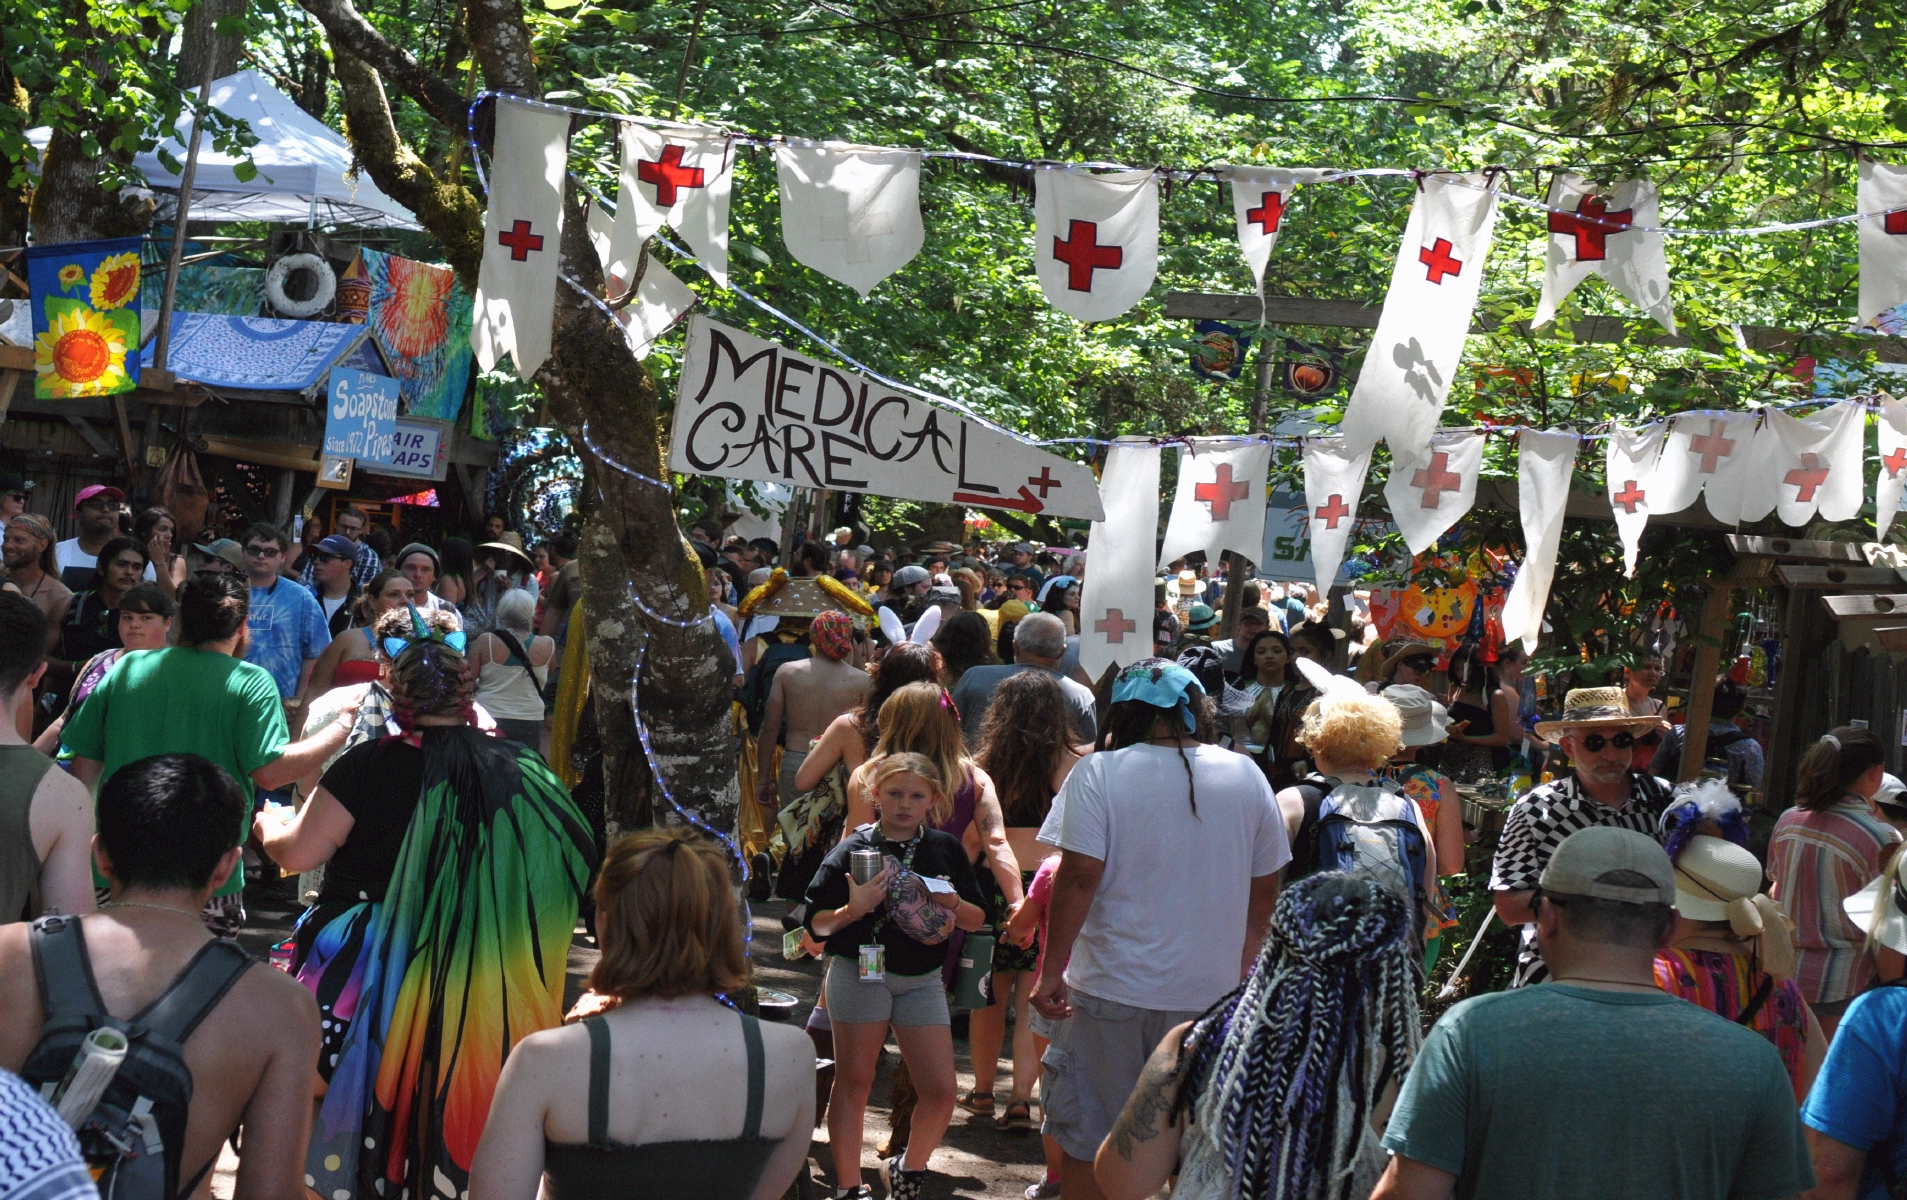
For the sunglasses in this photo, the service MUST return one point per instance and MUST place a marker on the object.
(263, 551)
(1625, 740)
(1420, 664)
(20, 496)
(394, 646)
(320, 557)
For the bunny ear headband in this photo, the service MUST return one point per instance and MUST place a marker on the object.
(421, 632)
(1330, 687)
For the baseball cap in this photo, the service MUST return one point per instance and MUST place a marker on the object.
(339, 546)
(1888, 793)
(224, 548)
(98, 489)
(13, 481)
(1578, 866)
(910, 575)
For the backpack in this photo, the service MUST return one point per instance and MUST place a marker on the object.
(761, 679)
(1367, 830)
(134, 1136)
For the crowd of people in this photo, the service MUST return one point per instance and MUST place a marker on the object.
(1194, 903)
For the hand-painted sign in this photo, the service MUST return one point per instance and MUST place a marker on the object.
(420, 448)
(749, 409)
(361, 416)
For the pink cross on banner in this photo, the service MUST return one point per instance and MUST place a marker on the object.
(1430, 489)
(1418, 345)
(515, 304)
(1595, 232)
(1808, 468)
(1116, 603)
(1333, 482)
(1220, 502)
(1630, 469)
(850, 212)
(1095, 239)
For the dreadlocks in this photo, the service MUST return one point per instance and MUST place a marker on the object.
(1282, 1075)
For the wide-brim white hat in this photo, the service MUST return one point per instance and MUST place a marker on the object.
(1877, 910)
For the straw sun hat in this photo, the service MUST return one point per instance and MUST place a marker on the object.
(1597, 708)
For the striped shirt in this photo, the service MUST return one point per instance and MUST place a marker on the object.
(1817, 860)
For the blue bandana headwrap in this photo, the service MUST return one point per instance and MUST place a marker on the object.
(1161, 683)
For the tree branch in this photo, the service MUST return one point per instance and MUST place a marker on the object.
(347, 28)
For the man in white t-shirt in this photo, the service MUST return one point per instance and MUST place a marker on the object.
(96, 508)
(1171, 853)
(331, 562)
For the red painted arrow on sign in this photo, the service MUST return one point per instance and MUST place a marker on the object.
(1027, 503)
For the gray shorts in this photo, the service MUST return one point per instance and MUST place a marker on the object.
(896, 1000)
(791, 761)
(1091, 1066)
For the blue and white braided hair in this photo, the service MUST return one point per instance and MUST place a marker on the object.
(1281, 1076)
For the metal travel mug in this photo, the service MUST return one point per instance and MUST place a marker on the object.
(865, 864)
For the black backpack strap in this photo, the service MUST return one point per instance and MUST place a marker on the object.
(196, 990)
(1760, 998)
(65, 975)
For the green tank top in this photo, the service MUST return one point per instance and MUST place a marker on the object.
(724, 1169)
(21, 769)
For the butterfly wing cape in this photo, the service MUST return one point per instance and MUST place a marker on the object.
(465, 957)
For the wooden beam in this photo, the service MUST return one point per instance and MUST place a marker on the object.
(1821, 578)
(1843, 608)
(16, 358)
(1351, 314)
(9, 379)
(1701, 681)
(1796, 549)
(265, 454)
(99, 444)
(125, 443)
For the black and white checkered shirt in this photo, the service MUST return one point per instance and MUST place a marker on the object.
(1539, 822)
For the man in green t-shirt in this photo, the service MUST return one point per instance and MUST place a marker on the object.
(1596, 1084)
(199, 697)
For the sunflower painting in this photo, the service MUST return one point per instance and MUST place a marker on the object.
(85, 318)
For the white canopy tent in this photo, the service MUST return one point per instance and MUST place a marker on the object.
(302, 167)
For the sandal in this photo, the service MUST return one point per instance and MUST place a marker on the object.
(980, 1104)
(1018, 1116)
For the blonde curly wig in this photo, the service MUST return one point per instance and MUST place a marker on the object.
(1353, 732)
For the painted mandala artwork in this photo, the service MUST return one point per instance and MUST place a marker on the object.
(85, 317)
(421, 318)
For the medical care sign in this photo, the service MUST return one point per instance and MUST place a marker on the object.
(749, 409)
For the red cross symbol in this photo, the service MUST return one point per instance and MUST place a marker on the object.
(1269, 213)
(1628, 497)
(1332, 511)
(1221, 492)
(1044, 481)
(1712, 446)
(1437, 257)
(1808, 477)
(1082, 254)
(668, 174)
(1115, 626)
(1895, 222)
(1435, 480)
(520, 241)
(1591, 223)
(1894, 460)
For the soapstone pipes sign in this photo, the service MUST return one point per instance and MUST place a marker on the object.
(749, 409)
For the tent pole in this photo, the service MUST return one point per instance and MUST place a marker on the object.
(186, 178)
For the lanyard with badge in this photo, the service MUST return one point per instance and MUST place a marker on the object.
(873, 960)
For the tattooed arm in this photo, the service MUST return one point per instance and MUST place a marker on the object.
(990, 823)
(1142, 1151)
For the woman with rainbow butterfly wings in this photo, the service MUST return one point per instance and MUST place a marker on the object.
(440, 937)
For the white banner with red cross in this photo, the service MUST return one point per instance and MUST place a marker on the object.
(1220, 503)
(1881, 191)
(680, 176)
(1596, 233)
(1333, 480)
(1707, 454)
(1893, 473)
(515, 306)
(850, 212)
(1260, 197)
(1807, 466)
(1545, 461)
(1629, 468)
(1095, 239)
(1415, 352)
(1116, 600)
(1430, 488)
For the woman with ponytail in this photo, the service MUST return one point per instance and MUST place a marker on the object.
(1827, 847)
(1280, 1089)
(455, 864)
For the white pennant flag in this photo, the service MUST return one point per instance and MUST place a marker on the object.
(1707, 454)
(680, 177)
(1801, 467)
(1115, 604)
(661, 300)
(1882, 191)
(1594, 234)
(1893, 476)
(515, 307)
(1259, 198)
(1333, 481)
(1221, 500)
(1414, 354)
(1095, 239)
(1630, 469)
(850, 212)
(1545, 460)
(1429, 490)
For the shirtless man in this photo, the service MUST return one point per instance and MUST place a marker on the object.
(806, 696)
(28, 552)
(168, 837)
(40, 805)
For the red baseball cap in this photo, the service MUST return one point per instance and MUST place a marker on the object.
(98, 489)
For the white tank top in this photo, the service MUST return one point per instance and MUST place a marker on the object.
(509, 691)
